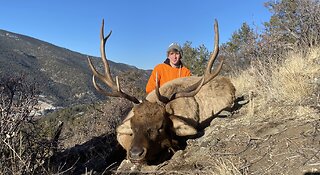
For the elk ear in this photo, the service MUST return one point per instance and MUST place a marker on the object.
(181, 127)
(125, 128)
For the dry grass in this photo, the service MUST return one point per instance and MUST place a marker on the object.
(293, 81)
(224, 166)
(282, 89)
(274, 85)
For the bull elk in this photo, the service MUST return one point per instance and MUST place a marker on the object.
(171, 111)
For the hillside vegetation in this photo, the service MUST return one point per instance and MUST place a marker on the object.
(63, 76)
(280, 85)
(276, 131)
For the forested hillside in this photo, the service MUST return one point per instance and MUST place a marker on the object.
(275, 70)
(63, 76)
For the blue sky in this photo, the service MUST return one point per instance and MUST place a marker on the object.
(142, 29)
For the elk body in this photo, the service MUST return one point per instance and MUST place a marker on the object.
(174, 110)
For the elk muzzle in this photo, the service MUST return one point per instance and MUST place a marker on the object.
(137, 154)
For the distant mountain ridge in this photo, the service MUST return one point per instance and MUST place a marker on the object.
(63, 75)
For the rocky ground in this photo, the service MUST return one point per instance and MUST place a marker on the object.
(287, 143)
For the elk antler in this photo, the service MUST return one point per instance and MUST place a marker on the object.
(106, 78)
(208, 76)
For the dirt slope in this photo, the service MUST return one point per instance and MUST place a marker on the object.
(287, 144)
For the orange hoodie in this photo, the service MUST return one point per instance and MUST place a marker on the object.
(165, 73)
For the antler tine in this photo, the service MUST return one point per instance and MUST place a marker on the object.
(161, 99)
(102, 90)
(191, 91)
(96, 73)
(208, 75)
(195, 88)
(107, 78)
(216, 48)
(103, 41)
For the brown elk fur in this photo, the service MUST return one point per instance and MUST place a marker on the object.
(176, 109)
(185, 113)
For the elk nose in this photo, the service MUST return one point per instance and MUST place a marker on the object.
(137, 153)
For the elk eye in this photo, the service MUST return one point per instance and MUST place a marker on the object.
(160, 130)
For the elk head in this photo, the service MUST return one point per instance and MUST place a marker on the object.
(151, 128)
